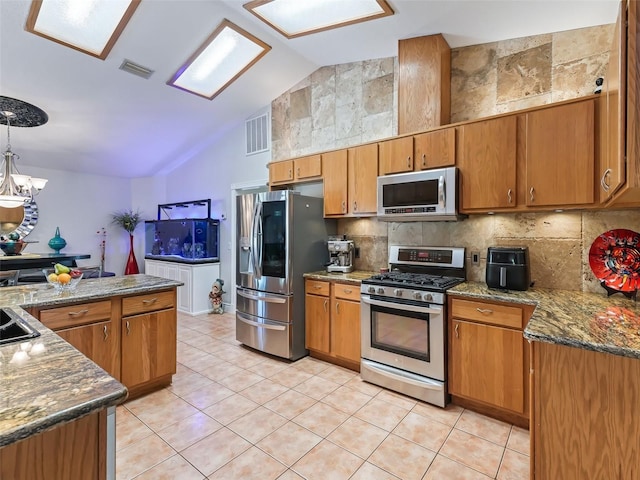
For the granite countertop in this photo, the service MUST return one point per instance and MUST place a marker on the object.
(49, 382)
(354, 278)
(577, 319)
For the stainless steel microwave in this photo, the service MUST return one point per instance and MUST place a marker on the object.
(427, 195)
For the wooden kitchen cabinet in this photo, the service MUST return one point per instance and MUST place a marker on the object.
(350, 181)
(487, 160)
(296, 170)
(584, 422)
(332, 322)
(489, 358)
(435, 149)
(560, 155)
(75, 450)
(149, 338)
(395, 156)
(90, 328)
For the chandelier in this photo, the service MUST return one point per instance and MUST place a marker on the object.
(17, 189)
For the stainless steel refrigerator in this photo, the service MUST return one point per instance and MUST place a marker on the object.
(281, 235)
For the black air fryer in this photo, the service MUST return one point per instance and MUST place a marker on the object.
(508, 268)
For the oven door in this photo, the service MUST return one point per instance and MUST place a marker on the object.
(405, 336)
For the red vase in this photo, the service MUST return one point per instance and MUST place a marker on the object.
(132, 263)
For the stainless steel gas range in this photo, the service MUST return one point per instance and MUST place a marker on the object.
(403, 315)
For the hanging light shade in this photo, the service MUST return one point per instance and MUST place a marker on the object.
(17, 189)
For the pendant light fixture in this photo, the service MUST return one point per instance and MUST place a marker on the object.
(17, 189)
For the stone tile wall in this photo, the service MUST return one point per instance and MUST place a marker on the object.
(349, 104)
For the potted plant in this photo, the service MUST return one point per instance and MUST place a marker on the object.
(129, 220)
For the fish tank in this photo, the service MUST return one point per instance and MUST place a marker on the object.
(187, 240)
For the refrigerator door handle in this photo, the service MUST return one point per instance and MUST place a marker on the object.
(256, 239)
(261, 298)
(244, 319)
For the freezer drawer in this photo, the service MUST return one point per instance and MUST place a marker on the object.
(265, 335)
(264, 305)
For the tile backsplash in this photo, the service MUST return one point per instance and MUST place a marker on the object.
(354, 103)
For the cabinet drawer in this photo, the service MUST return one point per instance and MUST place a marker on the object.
(75, 315)
(490, 313)
(346, 291)
(147, 303)
(317, 287)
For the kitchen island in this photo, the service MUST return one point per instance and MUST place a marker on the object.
(585, 392)
(56, 405)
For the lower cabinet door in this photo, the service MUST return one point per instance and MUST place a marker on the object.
(345, 330)
(317, 323)
(97, 341)
(486, 363)
(148, 347)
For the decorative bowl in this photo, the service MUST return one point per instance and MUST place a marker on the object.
(11, 247)
(62, 281)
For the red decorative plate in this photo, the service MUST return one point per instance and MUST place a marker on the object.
(614, 258)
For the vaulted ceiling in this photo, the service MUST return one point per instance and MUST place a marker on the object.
(105, 121)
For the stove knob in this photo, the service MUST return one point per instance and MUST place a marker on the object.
(417, 295)
(397, 292)
(428, 297)
(381, 290)
(372, 290)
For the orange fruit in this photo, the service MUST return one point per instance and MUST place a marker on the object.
(64, 278)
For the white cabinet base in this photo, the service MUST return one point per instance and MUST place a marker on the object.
(193, 296)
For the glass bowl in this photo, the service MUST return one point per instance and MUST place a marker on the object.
(63, 281)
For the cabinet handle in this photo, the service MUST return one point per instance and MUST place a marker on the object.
(509, 195)
(290, 175)
(344, 207)
(149, 301)
(424, 161)
(409, 161)
(337, 308)
(531, 194)
(80, 312)
(347, 290)
(326, 302)
(298, 171)
(456, 330)
(355, 206)
(317, 287)
(484, 311)
(603, 181)
(105, 330)
(128, 327)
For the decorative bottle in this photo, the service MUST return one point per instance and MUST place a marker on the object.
(57, 243)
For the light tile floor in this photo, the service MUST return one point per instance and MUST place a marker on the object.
(233, 413)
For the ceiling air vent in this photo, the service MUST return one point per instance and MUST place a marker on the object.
(139, 70)
(257, 133)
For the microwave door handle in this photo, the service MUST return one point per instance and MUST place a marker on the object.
(441, 194)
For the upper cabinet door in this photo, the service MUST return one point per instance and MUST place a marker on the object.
(396, 156)
(280, 172)
(435, 149)
(560, 155)
(308, 167)
(335, 182)
(487, 163)
(363, 175)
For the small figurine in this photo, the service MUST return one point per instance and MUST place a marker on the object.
(216, 296)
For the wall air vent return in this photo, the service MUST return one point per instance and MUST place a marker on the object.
(139, 70)
(257, 134)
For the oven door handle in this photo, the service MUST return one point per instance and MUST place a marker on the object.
(383, 370)
(404, 306)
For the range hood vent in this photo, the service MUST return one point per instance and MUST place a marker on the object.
(134, 68)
